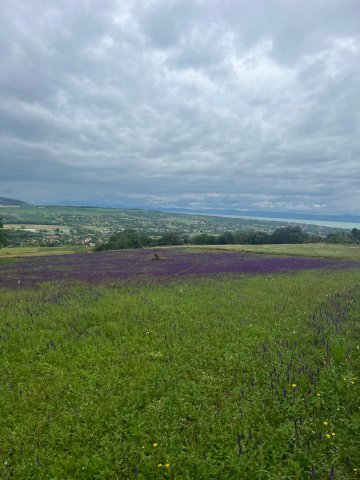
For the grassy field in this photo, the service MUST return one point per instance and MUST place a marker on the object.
(346, 252)
(12, 252)
(36, 226)
(231, 378)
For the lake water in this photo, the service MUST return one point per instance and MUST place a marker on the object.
(322, 223)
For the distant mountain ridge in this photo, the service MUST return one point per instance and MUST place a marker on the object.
(222, 212)
(11, 201)
(267, 214)
(277, 216)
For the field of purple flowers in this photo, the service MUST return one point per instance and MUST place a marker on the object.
(245, 367)
(132, 264)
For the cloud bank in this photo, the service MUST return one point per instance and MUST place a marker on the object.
(199, 104)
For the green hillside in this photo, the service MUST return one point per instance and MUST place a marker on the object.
(201, 378)
(11, 202)
(107, 220)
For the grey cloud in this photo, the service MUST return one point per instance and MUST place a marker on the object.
(165, 23)
(208, 103)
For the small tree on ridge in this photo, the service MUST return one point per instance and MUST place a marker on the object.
(2, 234)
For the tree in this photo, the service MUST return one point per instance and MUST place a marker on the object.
(203, 239)
(125, 239)
(2, 234)
(288, 235)
(226, 238)
(259, 238)
(171, 238)
(338, 237)
(355, 235)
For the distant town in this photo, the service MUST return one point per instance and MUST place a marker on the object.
(32, 225)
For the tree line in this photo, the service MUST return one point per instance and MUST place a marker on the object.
(130, 238)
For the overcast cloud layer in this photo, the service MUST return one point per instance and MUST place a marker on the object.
(198, 103)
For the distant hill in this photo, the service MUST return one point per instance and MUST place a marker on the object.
(11, 201)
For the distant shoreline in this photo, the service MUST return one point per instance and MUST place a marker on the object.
(321, 223)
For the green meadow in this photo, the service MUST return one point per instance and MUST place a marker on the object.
(232, 377)
(325, 250)
(12, 252)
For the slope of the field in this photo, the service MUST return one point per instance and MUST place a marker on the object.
(18, 252)
(350, 252)
(183, 376)
(159, 264)
(325, 250)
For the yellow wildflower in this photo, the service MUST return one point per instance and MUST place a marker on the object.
(155, 445)
(318, 394)
(333, 434)
(293, 385)
(167, 465)
(328, 436)
(326, 423)
(159, 465)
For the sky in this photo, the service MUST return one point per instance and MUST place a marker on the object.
(226, 104)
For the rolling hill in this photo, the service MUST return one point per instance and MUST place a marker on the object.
(11, 202)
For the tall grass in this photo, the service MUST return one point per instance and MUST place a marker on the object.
(327, 250)
(231, 378)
